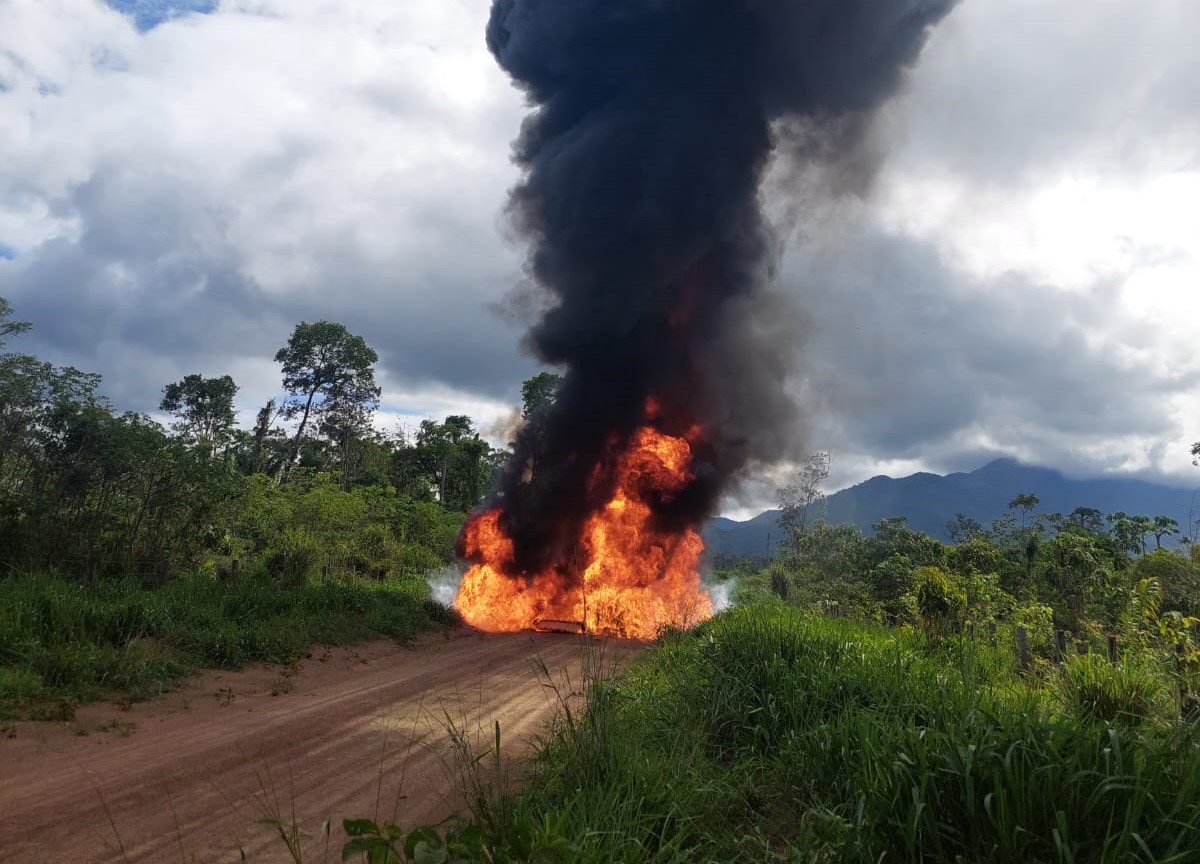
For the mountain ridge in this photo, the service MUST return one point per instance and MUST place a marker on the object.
(928, 501)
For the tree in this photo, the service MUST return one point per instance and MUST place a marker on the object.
(346, 424)
(1051, 523)
(802, 494)
(1089, 519)
(1177, 576)
(827, 562)
(538, 393)
(329, 375)
(456, 461)
(892, 537)
(1026, 503)
(203, 408)
(1143, 526)
(15, 328)
(31, 391)
(963, 528)
(264, 449)
(1163, 526)
(940, 600)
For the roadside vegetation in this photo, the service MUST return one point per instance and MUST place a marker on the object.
(773, 734)
(133, 551)
(1027, 692)
(63, 642)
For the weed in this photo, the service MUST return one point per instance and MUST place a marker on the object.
(1128, 693)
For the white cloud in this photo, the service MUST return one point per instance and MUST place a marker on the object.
(1023, 280)
(194, 190)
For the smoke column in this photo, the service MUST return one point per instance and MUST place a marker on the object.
(651, 125)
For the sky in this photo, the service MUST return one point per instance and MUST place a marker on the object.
(182, 181)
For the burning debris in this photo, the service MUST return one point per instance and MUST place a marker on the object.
(652, 124)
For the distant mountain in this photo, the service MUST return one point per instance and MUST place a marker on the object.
(930, 500)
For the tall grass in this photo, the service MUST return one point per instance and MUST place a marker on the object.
(62, 641)
(768, 735)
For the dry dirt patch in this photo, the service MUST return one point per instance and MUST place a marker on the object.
(348, 732)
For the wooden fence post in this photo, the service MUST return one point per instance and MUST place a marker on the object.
(1023, 646)
(235, 567)
(1060, 647)
(1112, 649)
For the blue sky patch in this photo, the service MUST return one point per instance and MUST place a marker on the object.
(148, 14)
(7, 253)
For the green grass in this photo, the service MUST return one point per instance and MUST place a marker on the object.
(64, 642)
(770, 735)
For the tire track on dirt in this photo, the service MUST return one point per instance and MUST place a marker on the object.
(352, 732)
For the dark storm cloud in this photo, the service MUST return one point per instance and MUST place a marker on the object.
(912, 360)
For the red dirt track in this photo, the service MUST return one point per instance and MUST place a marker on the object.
(352, 732)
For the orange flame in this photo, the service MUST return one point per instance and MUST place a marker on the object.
(630, 579)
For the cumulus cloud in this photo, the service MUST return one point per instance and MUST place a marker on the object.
(181, 181)
(1022, 280)
(176, 198)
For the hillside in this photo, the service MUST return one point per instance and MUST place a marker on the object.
(930, 500)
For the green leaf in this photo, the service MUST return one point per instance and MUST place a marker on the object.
(360, 827)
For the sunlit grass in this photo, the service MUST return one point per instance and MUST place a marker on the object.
(767, 734)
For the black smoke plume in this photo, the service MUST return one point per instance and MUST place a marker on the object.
(651, 125)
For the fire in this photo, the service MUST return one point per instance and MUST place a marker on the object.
(626, 579)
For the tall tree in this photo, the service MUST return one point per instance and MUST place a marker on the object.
(448, 461)
(203, 409)
(1130, 531)
(1163, 526)
(538, 392)
(1089, 519)
(329, 374)
(799, 497)
(1026, 503)
(963, 528)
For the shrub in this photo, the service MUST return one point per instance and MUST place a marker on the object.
(292, 560)
(1094, 689)
(940, 600)
(374, 551)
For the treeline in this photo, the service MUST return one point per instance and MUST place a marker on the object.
(1089, 574)
(93, 493)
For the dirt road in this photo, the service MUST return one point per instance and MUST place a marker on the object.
(347, 733)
